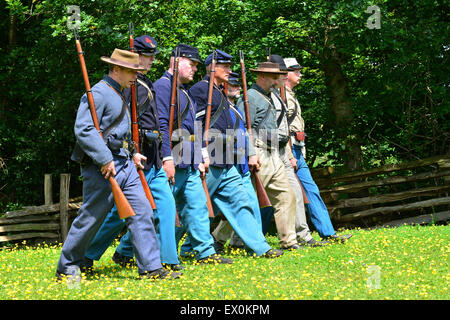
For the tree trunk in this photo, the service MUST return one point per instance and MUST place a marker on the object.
(337, 85)
(12, 32)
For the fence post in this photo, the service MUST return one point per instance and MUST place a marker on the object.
(48, 189)
(444, 164)
(64, 203)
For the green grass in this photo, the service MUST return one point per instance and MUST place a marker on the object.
(400, 263)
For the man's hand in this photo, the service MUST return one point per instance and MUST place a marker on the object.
(108, 170)
(294, 163)
(206, 164)
(137, 160)
(169, 168)
(201, 168)
(253, 162)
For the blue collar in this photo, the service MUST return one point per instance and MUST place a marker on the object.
(113, 83)
(170, 77)
(207, 77)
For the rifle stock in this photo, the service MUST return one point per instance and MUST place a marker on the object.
(261, 193)
(124, 208)
(135, 130)
(208, 198)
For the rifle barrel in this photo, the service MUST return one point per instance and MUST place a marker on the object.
(210, 94)
(173, 95)
(135, 128)
(206, 133)
(263, 198)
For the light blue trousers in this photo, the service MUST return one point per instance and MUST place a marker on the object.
(248, 186)
(317, 209)
(164, 220)
(97, 203)
(231, 197)
(193, 212)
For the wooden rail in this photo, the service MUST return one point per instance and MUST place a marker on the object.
(378, 195)
(414, 191)
(48, 221)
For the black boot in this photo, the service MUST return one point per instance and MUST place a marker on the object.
(123, 261)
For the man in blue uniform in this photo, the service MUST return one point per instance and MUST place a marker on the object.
(224, 181)
(182, 162)
(102, 158)
(164, 216)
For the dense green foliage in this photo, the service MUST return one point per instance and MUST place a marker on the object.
(369, 96)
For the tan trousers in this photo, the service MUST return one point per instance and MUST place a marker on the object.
(273, 176)
(224, 231)
(301, 225)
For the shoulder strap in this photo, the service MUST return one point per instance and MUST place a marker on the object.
(266, 115)
(118, 120)
(283, 108)
(143, 107)
(115, 123)
(149, 91)
(294, 114)
(186, 107)
(218, 112)
(237, 116)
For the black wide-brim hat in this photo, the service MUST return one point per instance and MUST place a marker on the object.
(275, 58)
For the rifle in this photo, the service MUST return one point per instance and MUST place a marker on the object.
(261, 193)
(268, 54)
(225, 89)
(173, 100)
(174, 93)
(124, 208)
(135, 129)
(283, 97)
(206, 133)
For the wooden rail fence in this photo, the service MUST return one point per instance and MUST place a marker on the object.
(49, 221)
(412, 192)
(415, 192)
